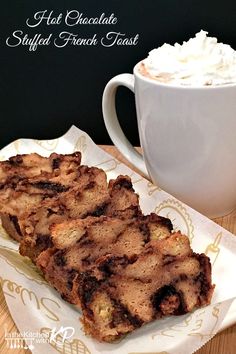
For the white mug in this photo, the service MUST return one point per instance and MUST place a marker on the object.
(188, 139)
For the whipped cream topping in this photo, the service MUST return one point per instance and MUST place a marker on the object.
(197, 62)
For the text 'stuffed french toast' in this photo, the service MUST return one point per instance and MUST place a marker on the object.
(125, 273)
(27, 180)
(92, 197)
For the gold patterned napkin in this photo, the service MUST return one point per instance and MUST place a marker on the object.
(47, 324)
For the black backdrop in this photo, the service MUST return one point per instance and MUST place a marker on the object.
(44, 92)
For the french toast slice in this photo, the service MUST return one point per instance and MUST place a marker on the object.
(31, 165)
(77, 245)
(125, 273)
(27, 180)
(156, 284)
(91, 198)
(93, 244)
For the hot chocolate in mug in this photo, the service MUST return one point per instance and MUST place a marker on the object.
(188, 138)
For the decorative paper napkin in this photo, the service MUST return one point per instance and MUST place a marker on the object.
(50, 325)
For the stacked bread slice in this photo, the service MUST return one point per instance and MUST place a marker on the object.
(94, 245)
(28, 180)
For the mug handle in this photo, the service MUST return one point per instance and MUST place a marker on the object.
(112, 124)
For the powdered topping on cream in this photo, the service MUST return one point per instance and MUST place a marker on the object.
(197, 62)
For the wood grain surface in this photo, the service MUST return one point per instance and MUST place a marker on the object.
(223, 343)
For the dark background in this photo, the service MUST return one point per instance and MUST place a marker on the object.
(43, 93)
